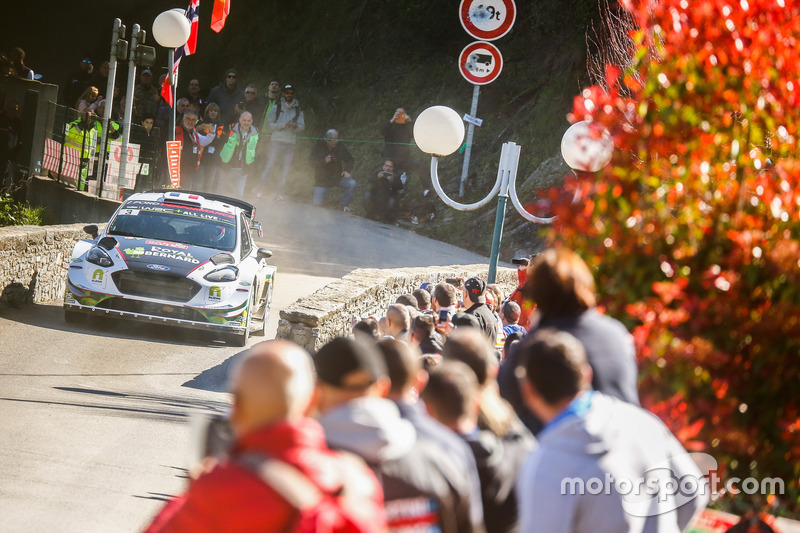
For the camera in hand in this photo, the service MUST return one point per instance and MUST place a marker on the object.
(388, 175)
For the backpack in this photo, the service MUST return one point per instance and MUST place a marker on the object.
(316, 511)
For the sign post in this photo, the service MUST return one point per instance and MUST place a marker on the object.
(481, 62)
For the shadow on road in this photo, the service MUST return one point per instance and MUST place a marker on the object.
(130, 405)
(214, 379)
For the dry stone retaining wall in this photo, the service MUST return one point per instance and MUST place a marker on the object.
(316, 319)
(34, 262)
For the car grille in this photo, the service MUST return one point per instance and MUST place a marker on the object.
(151, 308)
(155, 285)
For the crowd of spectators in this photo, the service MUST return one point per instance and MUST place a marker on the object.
(425, 399)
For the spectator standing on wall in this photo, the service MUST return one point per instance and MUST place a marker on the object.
(78, 81)
(237, 156)
(332, 164)
(192, 143)
(209, 163)
(227, 94)
(21, 70)
(285, 122)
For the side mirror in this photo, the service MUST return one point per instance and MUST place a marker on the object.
(264, 253)
(92, 230)
(254, 225)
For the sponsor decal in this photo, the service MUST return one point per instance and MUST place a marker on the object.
(97, 276)
(178, 255)
(134, 252)
(168, 243)
(214, 293)
(162, 268)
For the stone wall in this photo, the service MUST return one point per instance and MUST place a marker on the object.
(316, 319)
(34, 262)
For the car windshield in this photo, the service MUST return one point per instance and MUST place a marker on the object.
(176, 223)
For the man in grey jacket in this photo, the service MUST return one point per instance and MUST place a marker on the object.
(285, 121)
(424, 489)
(602, 465)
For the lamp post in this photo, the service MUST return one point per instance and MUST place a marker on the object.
(439, 131)
(171, 30)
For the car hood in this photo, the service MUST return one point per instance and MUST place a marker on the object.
(163, 256)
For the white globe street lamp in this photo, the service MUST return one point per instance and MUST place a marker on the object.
(587, 146)
(439, 131)
(171, 29)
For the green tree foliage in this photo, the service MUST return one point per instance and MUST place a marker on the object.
(694, 228)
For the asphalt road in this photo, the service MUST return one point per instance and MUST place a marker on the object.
(95, 432)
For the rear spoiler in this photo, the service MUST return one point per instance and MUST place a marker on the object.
(249, 209)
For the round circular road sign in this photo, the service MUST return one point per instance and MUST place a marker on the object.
(487, 20)
(480, 63)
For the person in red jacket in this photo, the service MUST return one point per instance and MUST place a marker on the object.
(279, 456)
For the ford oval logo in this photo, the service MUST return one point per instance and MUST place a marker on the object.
(158, 267)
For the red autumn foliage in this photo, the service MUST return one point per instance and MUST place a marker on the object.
(693, 229)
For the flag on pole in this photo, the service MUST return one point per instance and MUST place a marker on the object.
(222, 9)
(192, 13)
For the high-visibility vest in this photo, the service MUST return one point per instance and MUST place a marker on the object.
(80, 139)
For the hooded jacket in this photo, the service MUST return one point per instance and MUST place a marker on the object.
(424, 490)
(230, 498)
(567, 484)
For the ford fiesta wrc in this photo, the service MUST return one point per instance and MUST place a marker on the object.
(173, 257)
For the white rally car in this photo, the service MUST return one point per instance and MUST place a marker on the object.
(175, 257)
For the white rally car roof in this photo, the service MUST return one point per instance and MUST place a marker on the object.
(196, 199)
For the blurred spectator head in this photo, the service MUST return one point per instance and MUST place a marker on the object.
(250, 93)
(231, 78)
(367, 329)
(348, 369)
(397, 319)
(452, 396)
(194, 88)
(444, 295)
(182, 106)
(274, 87)
(465, 320)
(288, 92)
(475, 289)
(406, 299)
(403, 366)
(331, 138)
(274, 380)
(211, 114)
(554, 368)
(510, 312)
(423, 299)
(560, 283)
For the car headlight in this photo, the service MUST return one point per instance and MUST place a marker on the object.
(229, 273)
(99, 257)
